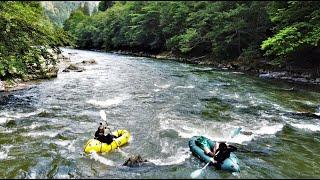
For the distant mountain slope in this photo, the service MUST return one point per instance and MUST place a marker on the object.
(59, 11)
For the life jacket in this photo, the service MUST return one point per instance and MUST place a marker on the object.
(222, 155)
(109, 138)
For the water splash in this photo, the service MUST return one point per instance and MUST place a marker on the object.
(178, 158)
(165, 86)
(4, 154)
(96, 157)
(311, 127)
(108, 102)
(38, 134)
(3, 120)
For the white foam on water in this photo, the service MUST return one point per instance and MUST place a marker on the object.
(7, 130)
(32, 126)
(232, 96)
(303, 102)
(311, 127)
(269, 130)
(108, 102)
(96, 157)
(156, 90)
(178, 158)
(23, 115)
(315, 126)
(265, 115)
(33, 175)
(71, 146)
(63, 176)
(189, 133)
(240, 106)
(4, 154)
(3, 120)
(17, 115)
(63, 143)
(165, 86)
(38, 134)
(264, 130)
(235, 72)
(184, 87)
(215, 92)
(204, 69)
(240, 139)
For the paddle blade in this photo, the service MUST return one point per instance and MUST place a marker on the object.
(236, 132)
(196, 173)
(103, 115)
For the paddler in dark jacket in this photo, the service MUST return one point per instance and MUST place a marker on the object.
(99, 135)
(219, 152)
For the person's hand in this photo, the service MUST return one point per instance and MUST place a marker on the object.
(210, 154)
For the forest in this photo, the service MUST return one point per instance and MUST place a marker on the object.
(276, 34)
(254, 35)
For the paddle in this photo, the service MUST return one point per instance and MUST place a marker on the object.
(104, 117)
(198, 172)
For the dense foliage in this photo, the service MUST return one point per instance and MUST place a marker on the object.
(297, 26)
(222, 30)
(23, 30)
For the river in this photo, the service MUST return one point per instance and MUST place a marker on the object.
(162, 104)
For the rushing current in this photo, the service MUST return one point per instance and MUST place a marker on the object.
(162, 104)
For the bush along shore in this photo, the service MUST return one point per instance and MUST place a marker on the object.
(28, 45)
(45, 66)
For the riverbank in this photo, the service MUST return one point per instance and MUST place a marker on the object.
(52, 61)
(259, 68)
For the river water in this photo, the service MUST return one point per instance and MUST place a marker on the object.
(162, 104)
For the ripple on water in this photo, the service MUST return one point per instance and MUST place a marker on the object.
(109, 102)
(179, 157)
(39, 134)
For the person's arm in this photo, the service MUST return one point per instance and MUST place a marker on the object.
(215, 147)
(96, 134)
(208, 152)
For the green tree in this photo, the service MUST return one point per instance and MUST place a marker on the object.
(23, 30)
(86, 10)
(297, 29)
(104, 5)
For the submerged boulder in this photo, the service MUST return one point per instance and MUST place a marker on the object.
(91, 61)
(73, 67)
(135, 161)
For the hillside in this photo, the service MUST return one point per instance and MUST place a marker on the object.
(59, 11)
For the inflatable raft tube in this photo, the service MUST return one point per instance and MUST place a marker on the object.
(99, 147)
(230, 164)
